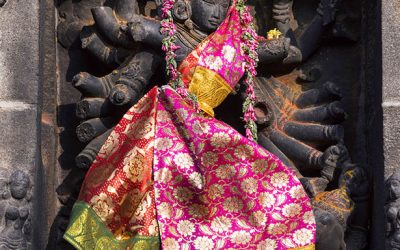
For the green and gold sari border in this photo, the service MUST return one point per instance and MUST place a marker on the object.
(88, 231)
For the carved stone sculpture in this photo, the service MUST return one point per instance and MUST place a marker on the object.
(392, 209)
(301, 126)
(15, 234)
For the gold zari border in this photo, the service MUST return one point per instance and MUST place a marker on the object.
(210, 88)
(87, 231)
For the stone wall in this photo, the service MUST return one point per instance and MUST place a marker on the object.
(20, 161)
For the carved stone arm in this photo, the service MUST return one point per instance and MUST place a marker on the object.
(273, 50)
(146, 30)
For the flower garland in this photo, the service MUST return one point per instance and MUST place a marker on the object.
(168, 28)
(250, 46)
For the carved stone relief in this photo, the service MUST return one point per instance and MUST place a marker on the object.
(302, 104)
(14, 211)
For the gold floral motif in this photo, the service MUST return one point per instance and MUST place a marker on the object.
(291, 210)
(203, 243)
(170, 244)
(109, 146)
(215, 191)
(303, 236)
(226, 172)
(259, 166)
(134, 165)
(229, 53)
(183, 160)
(266, 199)
(185, 227)
(244, 151)
(258, 219)
(308, 217)
(141, 129)
(249, 185)
(163, 175)
(153, 228)
(165, 210)
(233, 204)
(198, 211)
(103, 205)
(297, 192)
(182, 194)
(200, 128)
(221, 224)
(267, 244)
(277, 228)
(196, 180)
(279, 180)
(163, 144)
(209, 159)
(241, 237)
(220, 139)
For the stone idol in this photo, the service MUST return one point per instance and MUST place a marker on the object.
(301, 105)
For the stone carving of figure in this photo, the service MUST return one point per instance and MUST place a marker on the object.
(16, 217)
(392, 209)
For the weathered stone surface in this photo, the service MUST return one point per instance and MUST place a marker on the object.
(19, 136)
(391, 119)
(391, 83)
(19, 50)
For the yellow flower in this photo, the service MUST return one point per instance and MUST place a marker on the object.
(165, 210)
(273, 34)
(163, 175)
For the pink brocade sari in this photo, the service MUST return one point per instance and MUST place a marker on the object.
(167, 172)
(171, 177)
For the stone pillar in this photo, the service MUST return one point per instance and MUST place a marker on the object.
(391, 83)
(21, 218)
(390, 96)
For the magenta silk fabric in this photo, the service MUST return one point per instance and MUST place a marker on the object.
(223, 53)
(215, 189)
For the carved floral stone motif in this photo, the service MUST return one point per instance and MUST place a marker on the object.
(299, 116)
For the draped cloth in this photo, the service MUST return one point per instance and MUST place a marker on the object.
(170, 177)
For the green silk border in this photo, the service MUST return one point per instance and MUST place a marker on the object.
(87, 231)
